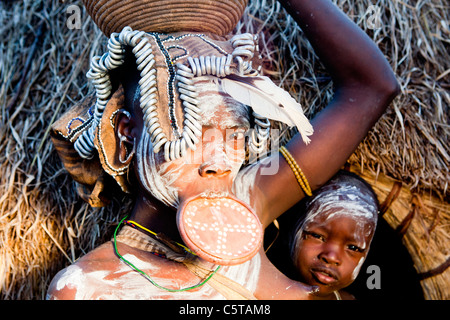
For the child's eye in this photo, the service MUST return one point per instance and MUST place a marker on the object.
(314, 235)
(352, 247)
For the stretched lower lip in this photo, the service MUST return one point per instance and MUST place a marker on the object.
(214, 194)
(222, 230)
(323, 277)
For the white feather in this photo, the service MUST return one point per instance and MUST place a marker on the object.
(268, 100)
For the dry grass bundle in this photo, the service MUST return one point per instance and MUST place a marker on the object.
(44, 225)
(421, 221)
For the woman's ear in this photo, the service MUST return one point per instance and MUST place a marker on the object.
(125, 137)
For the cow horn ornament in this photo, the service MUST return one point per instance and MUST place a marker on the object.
(177, 41)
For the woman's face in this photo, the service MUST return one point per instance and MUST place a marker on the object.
(210, 169)
(331, 250)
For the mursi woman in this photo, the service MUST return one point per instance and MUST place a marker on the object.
(179, 111)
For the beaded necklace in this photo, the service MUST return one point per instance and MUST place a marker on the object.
(146, 275)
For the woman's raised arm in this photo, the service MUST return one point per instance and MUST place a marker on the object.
(364, 86)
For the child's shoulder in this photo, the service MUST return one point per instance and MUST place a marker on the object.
(346, 296)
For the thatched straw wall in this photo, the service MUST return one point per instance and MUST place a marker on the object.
(421, 221)
(45, 226)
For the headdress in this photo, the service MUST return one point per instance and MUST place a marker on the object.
(168, 62)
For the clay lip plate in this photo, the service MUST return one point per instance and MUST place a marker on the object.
(224, 231)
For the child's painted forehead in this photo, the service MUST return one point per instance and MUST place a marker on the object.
(339, 214)
(338, 223)
(343, 199)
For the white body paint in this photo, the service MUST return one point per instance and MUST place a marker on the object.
(105, 285)
(245, 182)
(155, 183)
(358, 268)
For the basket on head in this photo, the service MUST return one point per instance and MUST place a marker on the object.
(166, 16)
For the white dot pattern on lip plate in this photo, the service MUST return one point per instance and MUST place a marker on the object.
(222, 227)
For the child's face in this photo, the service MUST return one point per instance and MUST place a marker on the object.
(332, 250)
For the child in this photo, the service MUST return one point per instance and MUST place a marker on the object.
(331, 234)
